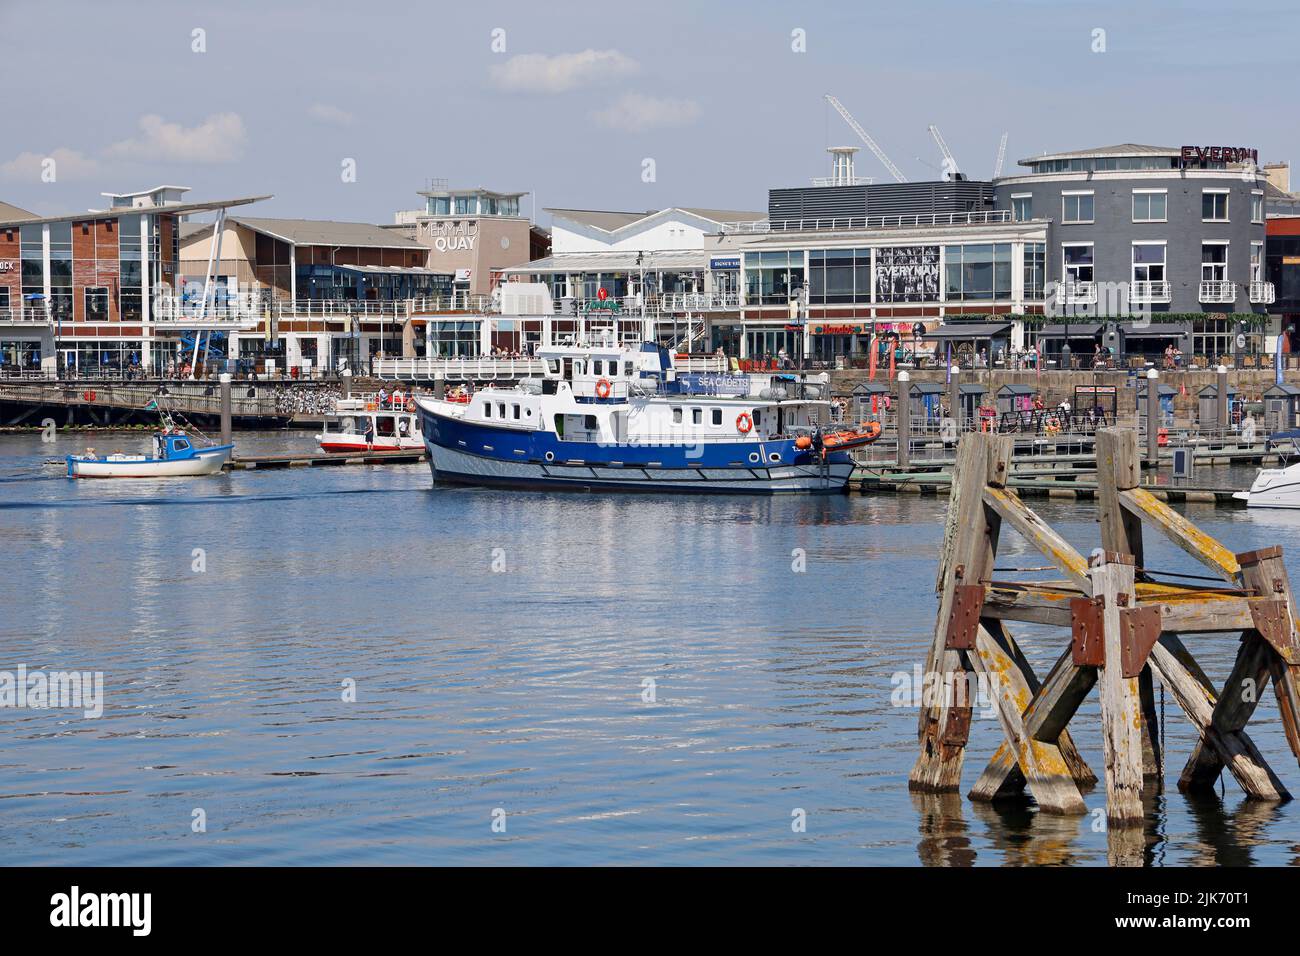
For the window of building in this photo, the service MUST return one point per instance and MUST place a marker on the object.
(1150, 205)
(773, 278)
(1256, 206)
(464, 205)
(1214, 261)
(978, 271)
(1257, 262)
(96, 304)
(1076, 261)
(438, 205)
(1148, 262)
(1035, 269)
(1022, 207)
(1214, 206)
(1076, 207)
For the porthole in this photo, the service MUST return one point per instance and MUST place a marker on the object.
(550, 456)
(753, 457)
(775, 456)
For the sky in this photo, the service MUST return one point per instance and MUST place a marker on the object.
(344, 110)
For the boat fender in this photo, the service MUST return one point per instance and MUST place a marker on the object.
(803, 443)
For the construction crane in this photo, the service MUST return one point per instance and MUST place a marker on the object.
(871, 143)
(1002, 157)
(951, 172)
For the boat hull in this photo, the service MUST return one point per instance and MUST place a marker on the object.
(461, 467)
(206, 462)
(1274, 488)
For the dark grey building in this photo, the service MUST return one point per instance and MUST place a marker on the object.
(788, 207)
(1144, 232)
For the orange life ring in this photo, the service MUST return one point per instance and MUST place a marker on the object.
(744, 423)
(603, 388)
(410, 404)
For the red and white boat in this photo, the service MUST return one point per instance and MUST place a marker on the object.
(372, 424)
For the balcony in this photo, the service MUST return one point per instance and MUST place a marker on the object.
(1081, 293)
(861, 223)
(1153, 291)
(26, 316)
(699, 301)
(1262, 293)
(1218, 291)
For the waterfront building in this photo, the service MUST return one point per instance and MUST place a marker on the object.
(1149, 246)
(90, 291)
(472, 233)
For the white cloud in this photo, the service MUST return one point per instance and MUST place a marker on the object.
(635, 112)
(218, 139)
(68, 164)
(330, 114)
(538, 73)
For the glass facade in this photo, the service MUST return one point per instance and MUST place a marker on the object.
(772, 278)
(453, 339)
(1035, 278)
(130, 269)
(978, 271)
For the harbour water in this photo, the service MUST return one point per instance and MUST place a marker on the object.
(609, 679)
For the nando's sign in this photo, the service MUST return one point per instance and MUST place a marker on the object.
(1219, 154)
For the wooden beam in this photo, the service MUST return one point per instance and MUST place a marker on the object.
(1041, 535)
(1232, 710)
(969, 547)
(1121, 716)
(1010, 680)
(1235, 749)
(1182, 532)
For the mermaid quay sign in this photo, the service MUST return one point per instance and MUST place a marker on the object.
(450, 236)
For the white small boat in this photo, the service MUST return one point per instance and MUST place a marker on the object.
(176, 456)
(372, 424)
(1274, 488)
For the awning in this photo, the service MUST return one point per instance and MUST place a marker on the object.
(1078, 330)
(612, 262)
(967, 331)
(1161, 330)
(393, 270)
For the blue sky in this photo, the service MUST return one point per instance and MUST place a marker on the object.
(584, 93)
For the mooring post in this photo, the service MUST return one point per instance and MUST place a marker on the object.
(1153, 419)
(439, 388)
(904, 420)
(1221, 405)
(954, 396)
(1121, 532)
(1121, 715)
(224, 379)
(347, 383)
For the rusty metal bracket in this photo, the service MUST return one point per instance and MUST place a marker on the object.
(956, 730)
(964, 617)
(1087, 648)
(1273, 621)
(1139, 629)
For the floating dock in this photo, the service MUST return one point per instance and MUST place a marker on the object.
(323, 460)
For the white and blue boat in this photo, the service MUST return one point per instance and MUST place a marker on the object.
(607, 417)
(175, 456)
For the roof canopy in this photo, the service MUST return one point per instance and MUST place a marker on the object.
(174, 209)
(966, 331)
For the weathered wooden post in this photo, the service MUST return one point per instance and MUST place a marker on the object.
(904, 418)
(440, 388)
(1153, 419)
(225, 408)
(1121, 712)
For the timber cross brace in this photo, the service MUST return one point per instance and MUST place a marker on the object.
(1125, 630)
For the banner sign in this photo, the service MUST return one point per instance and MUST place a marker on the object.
(712, 383)
(722, 264)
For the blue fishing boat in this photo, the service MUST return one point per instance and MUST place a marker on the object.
(609, 417)
(175, 456)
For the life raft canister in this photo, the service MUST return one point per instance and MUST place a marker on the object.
(88, 396)
(603, 388)
(744, 423)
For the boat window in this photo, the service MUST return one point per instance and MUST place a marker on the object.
(717, 416)
(597, 367)
(677, 416)
(628, 369)
(758, 418)
(515, 410)
(501, 409)
(553, 366)
(589, 422)
(487, 409)
(697, 416)
(182, 445)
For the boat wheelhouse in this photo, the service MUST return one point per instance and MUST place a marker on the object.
(605, 416)
(387, 423)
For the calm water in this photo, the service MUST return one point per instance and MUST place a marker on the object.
(520, 690)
